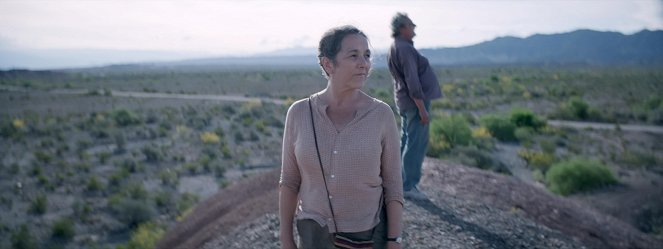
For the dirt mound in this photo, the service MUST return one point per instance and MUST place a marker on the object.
(467, 208)
(593, 228)
(224, 211)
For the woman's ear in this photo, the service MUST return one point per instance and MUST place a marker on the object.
(328, 65)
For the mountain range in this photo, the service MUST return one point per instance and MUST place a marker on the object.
(585, 47)
(577, 47)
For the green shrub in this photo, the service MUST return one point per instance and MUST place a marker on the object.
(186, 201)
(524, 134)
(163, 199)
(218, 169)
(131, 166)
(13, 128)
(82, 210)
(548, 146)
(261, 127)
(225, 150)
(274, 122)
(168, 177)
(578, 175)
(22, 239)
(538, 176)
(14, 169)
(455, 129)
(93, 184)
(83, 144)
(253, 136)
(120, 143)
(537, 160)
(578, 107)
(500, 127)
(103, 157)
(522, 117)
(133, 212)
(239, 137)
(638, 159)
(474, 157)
(650, 219)
(136, 191)
(124, 117)
(145, 236)
(93, 92)
(36, 170)
(39, 204)
(118, 176)
(63, 229)
(43, 157)
(151, 153)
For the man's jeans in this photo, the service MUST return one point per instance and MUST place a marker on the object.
(414, 141)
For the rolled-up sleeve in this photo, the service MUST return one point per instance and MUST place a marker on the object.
(407, 56)
(392, 182)
(290, 175)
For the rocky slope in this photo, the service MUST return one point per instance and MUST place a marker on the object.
(467, 208)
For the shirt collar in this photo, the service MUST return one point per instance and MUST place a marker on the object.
(403, 40)
(321, 105)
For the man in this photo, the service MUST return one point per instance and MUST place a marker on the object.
(415, 85)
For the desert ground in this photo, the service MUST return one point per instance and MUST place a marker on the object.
(119, 156)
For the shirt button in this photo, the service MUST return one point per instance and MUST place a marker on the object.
(330, 197)
(335, 152)
(332, 176)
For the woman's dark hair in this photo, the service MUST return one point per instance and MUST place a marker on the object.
(330, 43)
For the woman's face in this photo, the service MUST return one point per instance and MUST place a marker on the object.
(353, 62)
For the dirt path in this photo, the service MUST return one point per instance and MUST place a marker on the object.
(508, 154)
(606, 126)
(234, 98)
(114, 93)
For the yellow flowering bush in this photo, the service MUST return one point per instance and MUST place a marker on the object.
(210, 138)
(18, 123)
(538, 160)
(481, 133)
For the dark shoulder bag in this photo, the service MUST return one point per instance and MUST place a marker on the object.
(340, 241)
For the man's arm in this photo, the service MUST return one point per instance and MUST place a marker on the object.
(408, 59)
(423, 113)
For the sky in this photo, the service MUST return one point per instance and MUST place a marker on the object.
(241, 28)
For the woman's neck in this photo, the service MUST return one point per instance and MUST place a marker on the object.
(340, 97)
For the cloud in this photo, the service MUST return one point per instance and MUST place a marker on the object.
(247, 27)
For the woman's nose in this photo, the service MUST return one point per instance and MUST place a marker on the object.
(364, 62)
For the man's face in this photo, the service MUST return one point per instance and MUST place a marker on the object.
(407, 31)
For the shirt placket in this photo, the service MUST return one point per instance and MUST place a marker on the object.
(330, 171)
(330, 175)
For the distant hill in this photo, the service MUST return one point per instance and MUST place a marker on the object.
(586, 47)
(577, 47)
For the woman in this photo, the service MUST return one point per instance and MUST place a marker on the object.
(358, 148)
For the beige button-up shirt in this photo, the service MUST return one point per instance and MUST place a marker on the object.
(361, 162)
